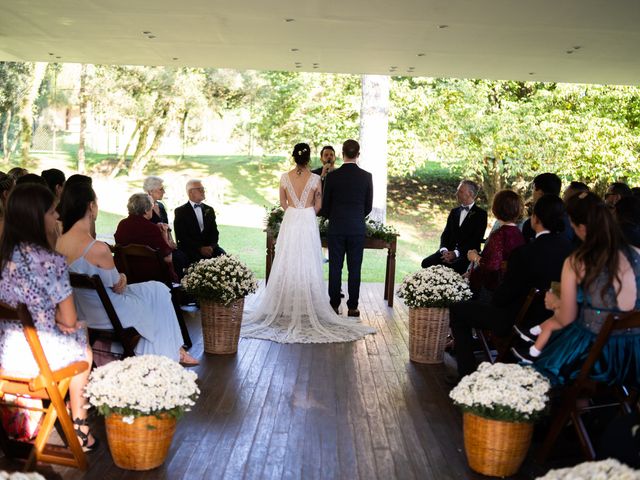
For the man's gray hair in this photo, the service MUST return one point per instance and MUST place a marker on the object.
(191, 183)
(152, 183)
(139, 203)
(474, 188)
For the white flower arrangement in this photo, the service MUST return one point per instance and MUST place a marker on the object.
(142, 385)
(609, 469)
(21, 476)
(502, 391)
(436, 286)
(222, 279)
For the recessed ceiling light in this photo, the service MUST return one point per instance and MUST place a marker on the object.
(298, 66)
(295, 49)
(315, 66)
(289, 20)
(316, 63)
(420, 55)
(58, 57)
(569, 52)
(51, 54)
(175, 58)
(412, 68)
(532, 73)
(146, 32)
(151, 37)
(443, 26)
(577, 47)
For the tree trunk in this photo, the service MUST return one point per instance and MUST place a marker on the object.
(183, 131)
(123, 158)
(26, 110)
(492, 177)
(6, 148)
(137, 166)
(82, 94)
(374, 126)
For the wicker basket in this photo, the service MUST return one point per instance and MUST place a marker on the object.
(428, 330)
(221, 326)
(142, 445)
(495, 448)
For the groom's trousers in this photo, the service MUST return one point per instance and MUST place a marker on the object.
(353, 247)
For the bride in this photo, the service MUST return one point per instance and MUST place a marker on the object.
(294, 306)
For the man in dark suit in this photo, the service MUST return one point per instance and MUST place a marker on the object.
(464, 231)
(533, 265)
(195, 226)
(347, 200)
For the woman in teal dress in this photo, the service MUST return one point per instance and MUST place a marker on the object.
(146, 306)
(602, 276)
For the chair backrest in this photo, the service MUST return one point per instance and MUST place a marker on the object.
(141, 263)
(615, 322)
(129, 337)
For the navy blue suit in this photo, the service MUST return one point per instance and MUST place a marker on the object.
(347, 200)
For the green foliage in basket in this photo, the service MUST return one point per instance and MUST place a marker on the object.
(222, 279)
(273, 219)
(436, 286)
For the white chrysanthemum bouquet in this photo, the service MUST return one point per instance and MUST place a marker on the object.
(436, 286)
(142, 385)
(503, 391)
(222, 279)
(609, 469)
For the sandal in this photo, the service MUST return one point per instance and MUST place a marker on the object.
(84, 437)
(187, 360)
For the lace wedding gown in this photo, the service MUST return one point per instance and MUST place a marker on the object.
(294, 306)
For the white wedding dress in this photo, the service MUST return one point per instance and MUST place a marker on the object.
(294, 306)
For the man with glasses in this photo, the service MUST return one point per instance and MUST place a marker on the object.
(195, 225)
(616, 192)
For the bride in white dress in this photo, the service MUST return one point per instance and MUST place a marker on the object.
(294, 306)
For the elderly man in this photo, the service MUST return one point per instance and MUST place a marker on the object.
(464, 231)
(195, 225)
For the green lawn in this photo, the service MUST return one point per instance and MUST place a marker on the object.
(417, 205)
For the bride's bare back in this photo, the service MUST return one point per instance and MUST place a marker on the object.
(302, 190)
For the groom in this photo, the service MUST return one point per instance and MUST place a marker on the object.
(347, 200)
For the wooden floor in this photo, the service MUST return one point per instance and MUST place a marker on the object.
(348, 410)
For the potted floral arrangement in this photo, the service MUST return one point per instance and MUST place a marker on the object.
(273, 219)
(220, 284)
(141, 398)
(500, 403)
(428, 293)
(610, 469)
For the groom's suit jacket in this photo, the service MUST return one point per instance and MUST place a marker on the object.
(347, 199)
(187, 230)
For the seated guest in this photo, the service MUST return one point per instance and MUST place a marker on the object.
(154, 186)
(464, 231)
(628, 217)
(195, 226)
(145, 306)
(17, 172)
(33, 274)
(31, 178)
(486, 269)
(533, 265)
(616, 192)
(138, 229)
(55, 180)
(572, 189)
(543, 184)
(602, 276)
(6, 185)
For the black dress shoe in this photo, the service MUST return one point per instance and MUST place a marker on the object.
(336, 309)
(353, 312)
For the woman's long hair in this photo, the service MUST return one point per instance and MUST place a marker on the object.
(74, 202)
(600, 251)
(24, 219)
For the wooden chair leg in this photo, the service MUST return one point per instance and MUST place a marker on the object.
(186, 338)
(583, 436)
(558, 422)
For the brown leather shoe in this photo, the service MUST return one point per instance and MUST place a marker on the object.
(353, 312)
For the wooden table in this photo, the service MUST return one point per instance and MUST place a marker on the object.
(372, 243)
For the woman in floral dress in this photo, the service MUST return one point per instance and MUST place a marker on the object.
(33, 274)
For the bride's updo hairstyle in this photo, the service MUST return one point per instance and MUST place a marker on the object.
(301, 154)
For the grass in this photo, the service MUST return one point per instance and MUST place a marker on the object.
(239, 187)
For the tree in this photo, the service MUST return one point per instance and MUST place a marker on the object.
(25, 112)
(14, 78)
(83, 100)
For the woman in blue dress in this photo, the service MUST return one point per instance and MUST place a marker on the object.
(602, 276)
(33, 274)
(146, 306)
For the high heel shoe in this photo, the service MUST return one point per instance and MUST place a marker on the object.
(84, 437)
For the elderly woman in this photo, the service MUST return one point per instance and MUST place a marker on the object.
(138, 228)
(154, 186)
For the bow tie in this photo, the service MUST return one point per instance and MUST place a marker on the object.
(197, 205)
(466, 209)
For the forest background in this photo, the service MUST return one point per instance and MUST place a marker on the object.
(234, 130)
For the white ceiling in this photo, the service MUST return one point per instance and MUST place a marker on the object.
(500, 39)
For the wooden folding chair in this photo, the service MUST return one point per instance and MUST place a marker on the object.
(496, 348)
(48, 385)
(128, 337)
(583, 386)
(141, 263)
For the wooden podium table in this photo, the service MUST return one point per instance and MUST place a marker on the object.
(372, 243)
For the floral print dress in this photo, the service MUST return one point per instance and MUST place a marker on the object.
(40, 279)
